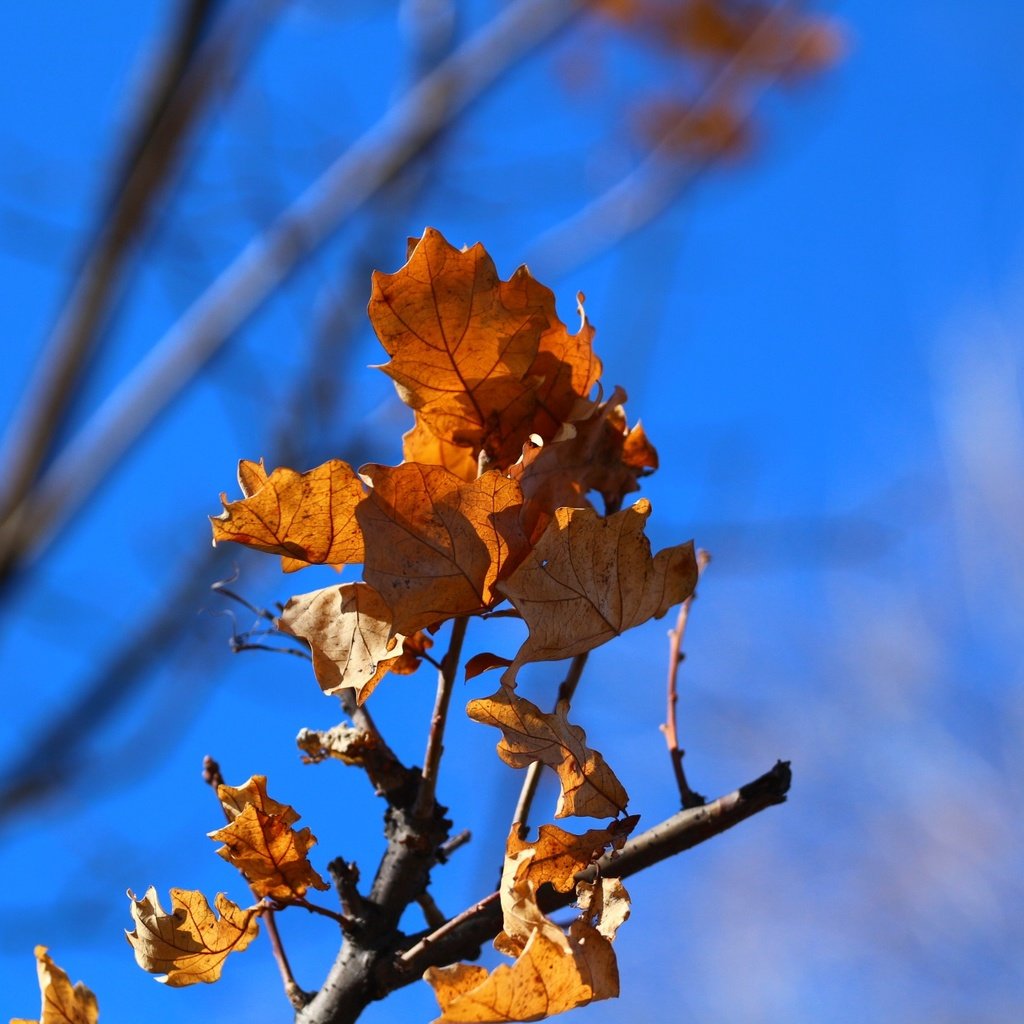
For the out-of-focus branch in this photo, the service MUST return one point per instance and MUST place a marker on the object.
(657, 181)
(188, 75)
(359, 174)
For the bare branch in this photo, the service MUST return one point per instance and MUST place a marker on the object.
(688, 797)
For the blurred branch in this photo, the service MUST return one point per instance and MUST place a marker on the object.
(359, 174)
(194, 64)
(655, 183)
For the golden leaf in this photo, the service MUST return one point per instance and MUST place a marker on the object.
(589, 787)
(63, 1003)
(272, 855)
(590, 578)
(190, 944)
(235, 799)
(557, 856)
(436, 545)
(420, 445)
(307, 518)
(348, 629)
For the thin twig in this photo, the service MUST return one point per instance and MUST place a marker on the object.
(280, 902)
(435, 740)
(432, 913)
(220, 587)
(410, 955)
(566, 690)
(676, 656)
(446, 849)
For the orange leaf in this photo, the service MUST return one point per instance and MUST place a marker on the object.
(558, 856)
(307, 518)
(436, 545)
(272, 856)
(484, 362)
(596, 453)
(589, 787)
(413, 649)
(589, 578)
(420, 445)
(63, 1003)
(190, 944)
(348, 629)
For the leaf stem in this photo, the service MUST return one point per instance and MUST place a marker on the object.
(687, 796)
(565, 692)
(435, 740)
(297, 996)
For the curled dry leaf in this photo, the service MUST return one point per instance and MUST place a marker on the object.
(484, 662)
(307, 518)
(348, 629)
(261, 843)
(589, 787)
(436, 545)
(191, 943)
(598, 452)
(484, 362)
(553, 972)
(63, 1003)
(589, 579)
(413, 650)
(557, 856)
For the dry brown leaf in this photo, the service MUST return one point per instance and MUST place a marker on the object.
(604, 904)
(63, 1003)
(589, 787)
(484, 662)
(484, 362)
(190, 944)
(436, 545)
(235, 799)
(597, 452)
(557, 856)
(414, 648)
(590, 578)
(348, 629)
(307, 518)
(270, 853)
(551, 975)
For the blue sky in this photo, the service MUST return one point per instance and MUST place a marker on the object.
(824, 343)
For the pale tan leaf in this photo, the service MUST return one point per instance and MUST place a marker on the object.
(604, 904)
(589, 787)
(272, 855)
(348, 629)
(190, 944)
(436, 545)
(63, 1003)
(307, 518)
(590, 578)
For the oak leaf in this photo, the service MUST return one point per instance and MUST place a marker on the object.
(63, 1003)
(435, 544)
(271, 855)
(557, 856)
(590, 578)
(483, 362)
(349, 632)
(190, 944)
(589, 787)
(595, 452)
(307, 518)
(419, 444)
(235, 799)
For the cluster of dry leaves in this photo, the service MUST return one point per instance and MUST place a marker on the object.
(491, 504)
